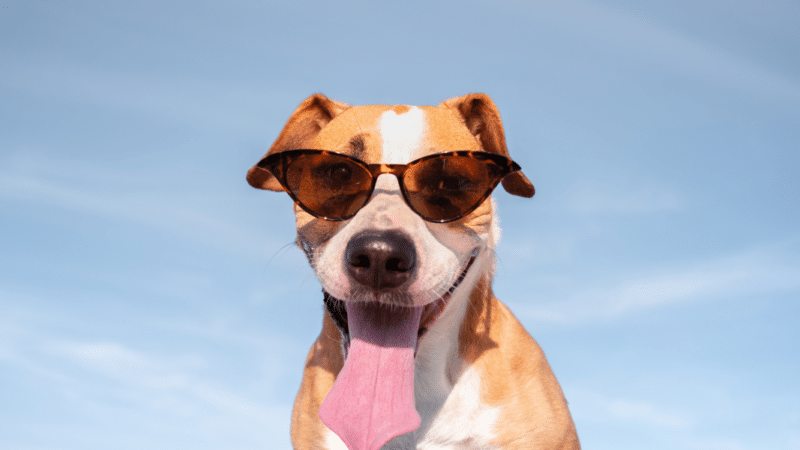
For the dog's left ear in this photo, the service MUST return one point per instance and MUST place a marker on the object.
(299, 132)
(481, 117)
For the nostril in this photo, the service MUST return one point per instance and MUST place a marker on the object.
(398, 265)
(394, 265)
(361, 261)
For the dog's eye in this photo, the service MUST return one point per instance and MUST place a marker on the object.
(447, 184)
(450, 177)
(454, 183)
(341, 173)
(336, 174)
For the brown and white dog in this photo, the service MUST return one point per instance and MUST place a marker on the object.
(415, 351)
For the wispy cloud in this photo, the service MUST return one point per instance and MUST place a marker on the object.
(717, 444)
(141, 199)
(181, 98)
(645, 40)
(138, 390)
(598, 408)
(765, 269)
(132, 367)
(623, 196)
(645, 413)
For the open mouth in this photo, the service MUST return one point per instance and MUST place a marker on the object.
(372, 399)
(430, 312)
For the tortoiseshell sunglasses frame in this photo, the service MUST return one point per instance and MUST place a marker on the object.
(277, 163)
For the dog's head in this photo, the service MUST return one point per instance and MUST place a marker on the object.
(387, 252)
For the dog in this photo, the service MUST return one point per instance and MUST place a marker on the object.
(394, 212)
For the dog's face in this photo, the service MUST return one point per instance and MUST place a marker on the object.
(387, 253)
(440, 252)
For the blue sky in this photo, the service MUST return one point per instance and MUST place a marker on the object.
(149, 298)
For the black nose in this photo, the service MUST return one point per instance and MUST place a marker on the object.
(380, 260)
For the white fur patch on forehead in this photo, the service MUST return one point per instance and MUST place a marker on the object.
(403, 135)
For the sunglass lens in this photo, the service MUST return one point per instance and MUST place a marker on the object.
(329, 186)
(448, 187)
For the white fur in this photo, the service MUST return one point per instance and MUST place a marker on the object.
(494, 232)
(403, 135)
(332, 441)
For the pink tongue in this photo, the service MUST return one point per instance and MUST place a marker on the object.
(372, 399)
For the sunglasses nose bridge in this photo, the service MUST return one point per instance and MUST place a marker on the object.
(390, 183)
(386, 169)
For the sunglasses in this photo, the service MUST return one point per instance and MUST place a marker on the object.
(440, 188)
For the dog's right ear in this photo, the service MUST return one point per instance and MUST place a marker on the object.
(299, 132)
(481, 117)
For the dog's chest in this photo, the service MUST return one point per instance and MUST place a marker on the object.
(461, 421)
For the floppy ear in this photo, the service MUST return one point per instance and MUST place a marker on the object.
(481, 117)
(300, 130)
